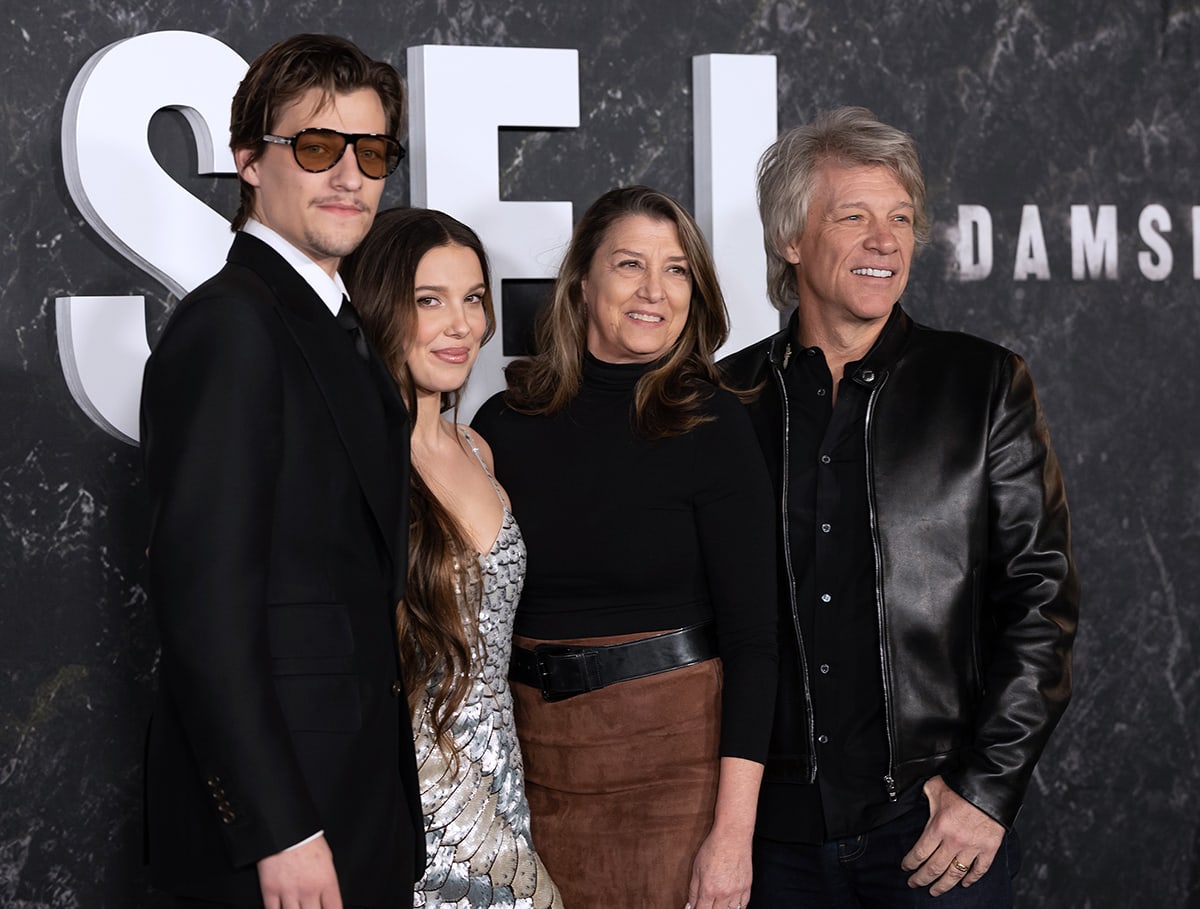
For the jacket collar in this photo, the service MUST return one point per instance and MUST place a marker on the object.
(779, 348)
(886, 350)
(872, 367)
(292, 293)
(331, 290)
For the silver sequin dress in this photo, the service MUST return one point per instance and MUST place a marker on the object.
(476, 815)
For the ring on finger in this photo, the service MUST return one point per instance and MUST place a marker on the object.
(959, 866)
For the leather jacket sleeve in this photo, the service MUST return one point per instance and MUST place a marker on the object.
(1030, 602)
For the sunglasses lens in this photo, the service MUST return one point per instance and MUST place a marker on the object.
(318, 149)
(377, 155)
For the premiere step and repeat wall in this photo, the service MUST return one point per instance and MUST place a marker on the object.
(1060, 147)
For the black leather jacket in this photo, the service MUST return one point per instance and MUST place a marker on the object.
(976, 589)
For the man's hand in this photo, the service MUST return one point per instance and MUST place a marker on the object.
(956, 846)
(300, 878)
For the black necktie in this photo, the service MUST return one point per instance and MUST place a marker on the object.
(348, 319)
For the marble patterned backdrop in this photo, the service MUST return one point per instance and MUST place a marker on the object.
(1052, 103)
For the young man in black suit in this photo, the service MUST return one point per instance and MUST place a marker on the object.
(280, 768)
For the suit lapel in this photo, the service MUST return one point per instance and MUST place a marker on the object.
(365, 406)
(396, 421)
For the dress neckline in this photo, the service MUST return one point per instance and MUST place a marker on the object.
(507, 517)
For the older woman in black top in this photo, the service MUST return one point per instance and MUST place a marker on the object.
(645, 659)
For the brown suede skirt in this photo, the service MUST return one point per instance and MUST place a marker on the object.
(622, 782)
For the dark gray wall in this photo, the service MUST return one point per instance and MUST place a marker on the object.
(1048, 103)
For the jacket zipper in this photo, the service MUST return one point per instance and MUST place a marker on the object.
(889, 779)
(787, 559)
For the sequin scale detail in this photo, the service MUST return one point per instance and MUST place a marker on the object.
(476, 815)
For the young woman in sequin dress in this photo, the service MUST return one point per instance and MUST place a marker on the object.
(419, 282)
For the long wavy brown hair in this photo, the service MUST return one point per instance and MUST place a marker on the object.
(668, 398)
(438, 620)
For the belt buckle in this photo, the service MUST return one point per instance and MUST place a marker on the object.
(583, 668)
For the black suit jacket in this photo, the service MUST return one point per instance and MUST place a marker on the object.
(277, 467)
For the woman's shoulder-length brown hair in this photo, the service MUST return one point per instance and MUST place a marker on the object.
(669, 398)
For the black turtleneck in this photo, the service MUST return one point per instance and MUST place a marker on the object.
(628, 535)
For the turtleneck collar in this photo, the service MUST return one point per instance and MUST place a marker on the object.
(612, 376)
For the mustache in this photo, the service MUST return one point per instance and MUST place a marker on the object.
(340, 200)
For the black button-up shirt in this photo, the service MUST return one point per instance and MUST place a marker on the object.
(834, 563)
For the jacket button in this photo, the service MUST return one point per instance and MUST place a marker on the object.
(868, 375)
(397, 689)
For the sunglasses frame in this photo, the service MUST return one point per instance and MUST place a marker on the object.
(349, 139)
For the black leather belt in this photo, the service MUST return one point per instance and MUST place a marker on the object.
(562, 671)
